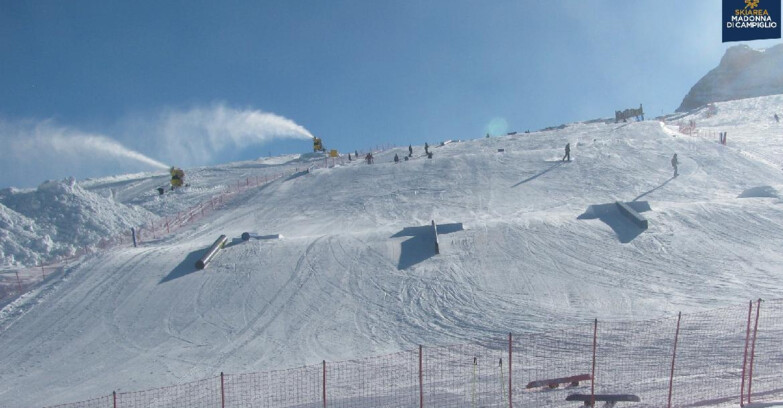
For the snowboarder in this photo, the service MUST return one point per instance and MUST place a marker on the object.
(675, 162)
(396, 158)
(567, 154)
(410, 151)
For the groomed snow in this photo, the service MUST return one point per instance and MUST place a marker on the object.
(353, 276)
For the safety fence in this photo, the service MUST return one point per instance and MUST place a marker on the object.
(16, 282)
(722, 357)
(19, 281)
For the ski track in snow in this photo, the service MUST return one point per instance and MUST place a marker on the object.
(352, 277)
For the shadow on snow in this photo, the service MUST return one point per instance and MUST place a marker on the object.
(609, 213)
(421, 245)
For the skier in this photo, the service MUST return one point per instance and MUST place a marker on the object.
(567, 152)
(368, 158)
(396, 158)
(410, 151)
(675, 162)
(777, 118)
(426, 148)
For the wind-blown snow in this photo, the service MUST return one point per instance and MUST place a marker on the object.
(355, 276)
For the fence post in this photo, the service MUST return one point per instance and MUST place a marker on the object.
(324, 384)
(133, 234)
(421, 380)
(592, 382)
(222, 392)
(745, 357)
(753, 349)
(674, 355)
(114, 398)
(43, 271)
(510, 403)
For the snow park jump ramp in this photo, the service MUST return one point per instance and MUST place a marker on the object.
(333, 289)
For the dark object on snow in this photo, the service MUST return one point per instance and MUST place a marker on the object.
(429, 155)
(410, 151)
(245, 236)
(675, 162)
(555, 382)
(777, 118)
(567, 152)
(213, 250)
(632, 215)
(610, 398)
(396, 158)
(426, 148)
(161, 190)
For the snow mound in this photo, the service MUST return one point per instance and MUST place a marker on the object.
(761, 191)
(742, 73)
(58, 218)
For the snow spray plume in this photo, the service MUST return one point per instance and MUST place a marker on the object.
(200, 133)
(65, 141)
(34, 150)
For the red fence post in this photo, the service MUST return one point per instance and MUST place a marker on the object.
(753, 349)
(745, 358)
(324, 385)
(421, 380)
(222, 392)
(674, 355)
(592, 382)
(510, 403)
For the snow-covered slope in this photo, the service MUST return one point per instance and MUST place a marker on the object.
(56, 219)
(742, 73)
(524, 237)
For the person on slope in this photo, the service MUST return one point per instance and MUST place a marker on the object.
(567, 154)
(777, 118)
(675, 162)
(410, 151)
(396, 158)
(426, 148)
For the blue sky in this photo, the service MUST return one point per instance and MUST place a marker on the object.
(355, 73)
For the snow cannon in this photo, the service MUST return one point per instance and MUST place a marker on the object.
(213, 250)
